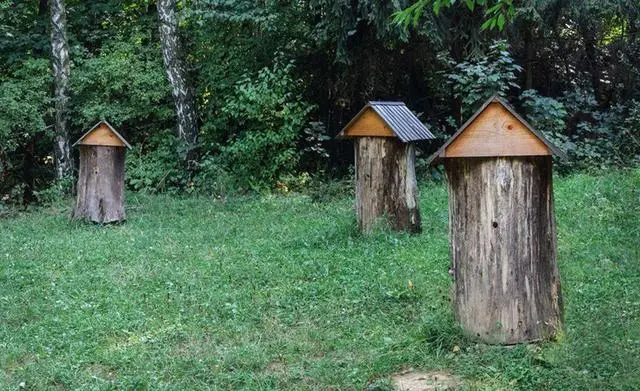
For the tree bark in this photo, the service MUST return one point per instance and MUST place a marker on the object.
(503, 248)
(530, 51)
(176, 73)
(101, 184)
(386, 184)
(60, 64)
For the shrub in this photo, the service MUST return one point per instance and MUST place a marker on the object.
(268, 117)
(476, 80)
(25, 106)
(591, 136)
(153, 166)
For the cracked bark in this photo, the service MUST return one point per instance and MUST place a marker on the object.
(503, 248)
(101, 184)
(61, 70)
(386, 185)
(176, 74)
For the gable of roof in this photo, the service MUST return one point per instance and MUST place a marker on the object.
(111, 129)
(397, 116)
(496, 99)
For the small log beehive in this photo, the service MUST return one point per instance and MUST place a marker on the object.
(100, 186)
(502, 227)
(385, 165)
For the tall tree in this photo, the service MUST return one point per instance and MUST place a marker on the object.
(60, 63)
(176, 73)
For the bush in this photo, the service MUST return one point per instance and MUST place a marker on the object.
(268, 117)
(591, 137)
(153, 166)
(476, 80)
(25, 106)
(125, 83)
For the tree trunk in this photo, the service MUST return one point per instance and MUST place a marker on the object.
(177, 75)
(386, 184)
(503, 248)
(101, 184)
(60, 63)
(530, 51)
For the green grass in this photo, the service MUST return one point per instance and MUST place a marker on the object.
(281, 293)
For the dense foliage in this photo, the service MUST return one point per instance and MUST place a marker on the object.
(276, 80)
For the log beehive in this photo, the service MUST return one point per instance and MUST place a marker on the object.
(100, 185)
(502, 227)
(385, 165)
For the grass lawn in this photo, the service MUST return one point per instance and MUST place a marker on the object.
(281, 293)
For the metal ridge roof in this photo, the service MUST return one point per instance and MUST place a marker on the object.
(398, 117)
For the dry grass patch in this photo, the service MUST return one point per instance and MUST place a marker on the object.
(425, 381)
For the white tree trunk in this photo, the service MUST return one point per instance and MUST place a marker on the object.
(60, 63)
(177, 74)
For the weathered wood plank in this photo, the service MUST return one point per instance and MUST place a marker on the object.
(101, 184)
(369, 124)
(386, 184)
(102, 135)
(496, 132)
(503, 248)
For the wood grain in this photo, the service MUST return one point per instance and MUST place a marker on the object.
(503, 248)
(100, 186)
(386, 186)
(496, 132)
(369, 124)
(102, 135)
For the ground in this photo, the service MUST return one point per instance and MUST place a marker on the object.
(280, 292)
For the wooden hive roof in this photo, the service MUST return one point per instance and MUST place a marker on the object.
(496, 129)
(103, 134)
(386, 119)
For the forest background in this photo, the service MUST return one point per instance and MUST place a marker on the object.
(272, 82)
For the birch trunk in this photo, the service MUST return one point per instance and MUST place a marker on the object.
(503, 248)
(176, 73)
(60, 64)
(386, 184)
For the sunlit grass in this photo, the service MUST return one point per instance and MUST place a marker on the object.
(282, 293)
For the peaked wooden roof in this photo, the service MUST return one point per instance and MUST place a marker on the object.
(398, 117)
(496, 99)
(111, 129)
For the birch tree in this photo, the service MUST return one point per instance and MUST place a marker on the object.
(60, 65)
(177, 75)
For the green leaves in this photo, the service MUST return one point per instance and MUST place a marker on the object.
(476, 80)
(98, 85)
(499, 12)
(24, 104)
(268, 117)
(471, 4)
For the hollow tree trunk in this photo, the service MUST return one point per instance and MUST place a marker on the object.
(101, 184)
(60, 63)
(176, 73)
(386, 184)
(503, 248)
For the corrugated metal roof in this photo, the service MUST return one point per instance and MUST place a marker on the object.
(399, 118)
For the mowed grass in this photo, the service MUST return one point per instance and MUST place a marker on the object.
(281, 293)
